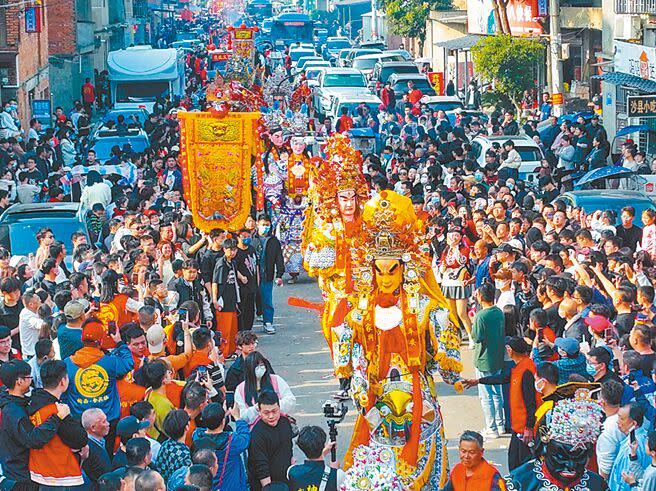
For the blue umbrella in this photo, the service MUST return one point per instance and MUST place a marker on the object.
(627, 130)
(361, 133)
(603, 173)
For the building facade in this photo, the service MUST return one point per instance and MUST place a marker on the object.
(24, 74)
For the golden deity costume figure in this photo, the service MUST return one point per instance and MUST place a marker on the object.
(333, 223)
(397, 336)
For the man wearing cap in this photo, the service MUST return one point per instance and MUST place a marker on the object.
(95, 373)
(571, 361)
(69, 335)
(156, 338)
(126, 429)
(523, 398)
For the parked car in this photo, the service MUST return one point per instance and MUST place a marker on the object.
(320, 36)
(352, 102)
(312, 76)
(337, 81)
(333, 46)
(355, 52)
(399, 82)
(405, 54)
(384, 69)
(530, 152)
(609, 199)
(340, 59)
(300, 64)
(20, 223)
(366, 63)
(374, 44)
(105, 139)
(299, 52)
(447, 103)
(131, 115)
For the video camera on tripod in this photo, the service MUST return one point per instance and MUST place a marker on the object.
(334, 413)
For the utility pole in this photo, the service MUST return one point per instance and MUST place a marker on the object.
(555, 52)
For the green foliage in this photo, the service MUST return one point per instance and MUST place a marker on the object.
(408, 17)
(509, 61)
(496, 100)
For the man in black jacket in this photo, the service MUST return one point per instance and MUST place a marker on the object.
(272, 265)
(270, 450)
(314, 472)
(98, 462)
(17, 433)
(190, 287)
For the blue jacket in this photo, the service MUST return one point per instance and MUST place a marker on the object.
(93, 375)
(234, 475)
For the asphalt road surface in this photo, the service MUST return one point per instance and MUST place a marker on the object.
(298, 352)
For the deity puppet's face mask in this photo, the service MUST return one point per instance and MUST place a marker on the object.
(389, 275)
(298, 145)
(565, 463)
(277, 139)
(347, 203)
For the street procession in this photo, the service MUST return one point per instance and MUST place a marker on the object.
(342, 245)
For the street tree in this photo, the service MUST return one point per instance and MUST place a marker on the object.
(509, 62)
(408, 17)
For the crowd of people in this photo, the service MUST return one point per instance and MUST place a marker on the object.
(131, 360)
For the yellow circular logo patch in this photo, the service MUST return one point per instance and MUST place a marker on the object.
(91, 381)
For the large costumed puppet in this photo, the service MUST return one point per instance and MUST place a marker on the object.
(333, 226)
(574, 428)
(398, 335)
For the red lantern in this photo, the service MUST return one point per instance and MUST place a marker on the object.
(211, 47)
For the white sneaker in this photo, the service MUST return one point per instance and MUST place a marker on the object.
(269, 329)
(489, 434)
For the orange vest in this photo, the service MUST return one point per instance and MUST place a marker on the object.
(116, 311)
(54, 464)
(197, 359)
(518, 415)
(481, 480)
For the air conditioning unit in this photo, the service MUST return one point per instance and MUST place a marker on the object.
(628, 27)
(564, 50)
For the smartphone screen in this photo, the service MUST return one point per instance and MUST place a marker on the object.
(182, 314)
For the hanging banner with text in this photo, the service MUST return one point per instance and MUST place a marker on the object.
(641, 106)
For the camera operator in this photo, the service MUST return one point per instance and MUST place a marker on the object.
(314, 473)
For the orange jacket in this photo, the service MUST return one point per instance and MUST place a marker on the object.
(481, 480)
(198, 358)
(54, 464)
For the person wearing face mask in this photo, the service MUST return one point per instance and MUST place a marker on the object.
(271, 265)
(259, 376)
(246, 261)
(8, 126)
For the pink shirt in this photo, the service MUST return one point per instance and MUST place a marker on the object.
(649, 240)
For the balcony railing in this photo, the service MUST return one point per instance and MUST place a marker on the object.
(635, 6)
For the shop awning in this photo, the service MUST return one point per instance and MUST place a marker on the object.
(619, 78)
(464, 42)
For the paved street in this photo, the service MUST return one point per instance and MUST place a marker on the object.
(298, 353)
